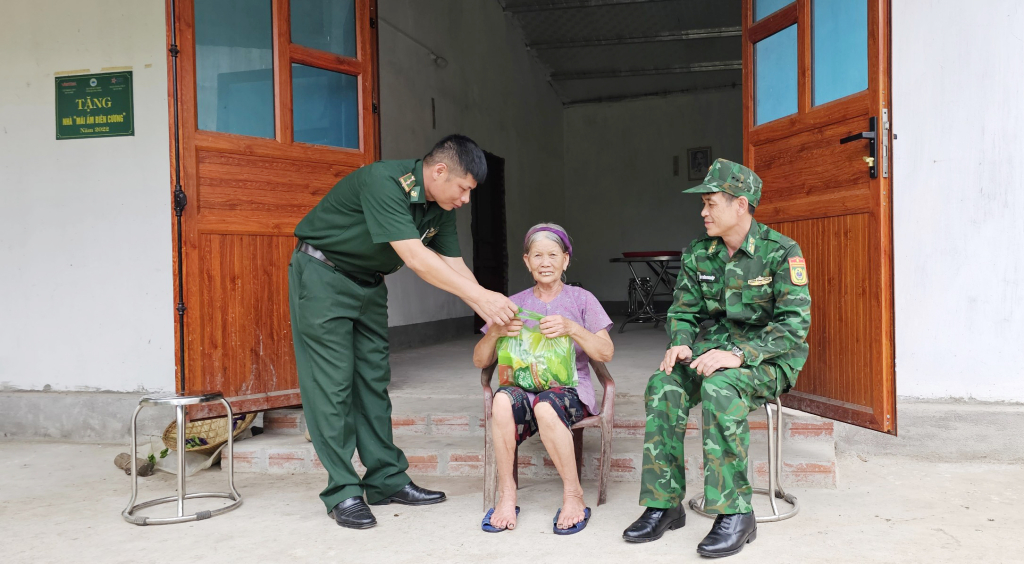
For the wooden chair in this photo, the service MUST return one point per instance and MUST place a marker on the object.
(604, 421)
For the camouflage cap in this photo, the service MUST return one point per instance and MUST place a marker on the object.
(731, 178)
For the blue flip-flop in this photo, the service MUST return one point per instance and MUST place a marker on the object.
(486, 526)
(573, 529)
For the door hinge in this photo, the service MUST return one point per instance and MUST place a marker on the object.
(181, 308)
(180, 200)
(375, 107)
(173, 50)
(373, 23)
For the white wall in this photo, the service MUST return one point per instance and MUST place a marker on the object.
(85, 239)
(958, 190)
(620, 191)
(493, 91)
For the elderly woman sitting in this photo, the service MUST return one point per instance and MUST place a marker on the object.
(517, 414)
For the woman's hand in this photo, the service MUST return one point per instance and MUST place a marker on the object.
(510, 329)
(554, 326)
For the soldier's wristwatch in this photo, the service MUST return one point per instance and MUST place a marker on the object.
(736, 351)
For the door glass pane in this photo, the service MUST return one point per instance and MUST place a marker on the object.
(839, 38)
(763, 8)
(325, 107)
(235, 67)
(327, 25)
(775, 76)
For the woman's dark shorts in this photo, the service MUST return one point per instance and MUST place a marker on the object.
(566, 402)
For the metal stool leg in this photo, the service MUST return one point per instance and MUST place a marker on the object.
(774, 489)
(135, 470)
(179, 414)
(231, 450)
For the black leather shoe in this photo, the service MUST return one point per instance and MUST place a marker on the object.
(654, 522)
(353, 513)
(728, 536)
(412, 494)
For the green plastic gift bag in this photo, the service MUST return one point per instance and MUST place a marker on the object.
(533, 362)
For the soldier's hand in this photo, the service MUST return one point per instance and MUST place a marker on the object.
(510, 329)
(495, 308)
(674, 355)
(707, 363)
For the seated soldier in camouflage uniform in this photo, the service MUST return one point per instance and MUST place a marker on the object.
(738, 325)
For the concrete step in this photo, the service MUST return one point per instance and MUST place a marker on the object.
(809, 463)
(459, 416)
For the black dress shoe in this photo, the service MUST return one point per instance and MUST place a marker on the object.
(412, 494)
(728, 536)
(353, 513)
(654, 522)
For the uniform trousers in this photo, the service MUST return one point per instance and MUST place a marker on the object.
(340, 333)
(727, 397)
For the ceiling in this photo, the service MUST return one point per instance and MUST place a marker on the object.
(607, 50)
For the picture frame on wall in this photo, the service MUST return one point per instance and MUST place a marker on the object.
(698, 160)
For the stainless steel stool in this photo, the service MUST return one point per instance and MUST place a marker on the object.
(179, 402)
(774, 474)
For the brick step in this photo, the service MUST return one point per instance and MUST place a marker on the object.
(461, 416)
(807, 463)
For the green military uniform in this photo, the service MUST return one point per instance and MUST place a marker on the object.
(340, 319)
(756, 303)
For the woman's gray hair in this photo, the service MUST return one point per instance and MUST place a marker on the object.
(541, 231)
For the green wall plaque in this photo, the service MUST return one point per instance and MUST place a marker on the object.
(95, 105)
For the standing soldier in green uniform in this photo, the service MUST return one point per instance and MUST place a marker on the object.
(373, 221)
(738, 327)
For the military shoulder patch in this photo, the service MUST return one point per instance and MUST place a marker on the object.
(408, 182)
(798, 271)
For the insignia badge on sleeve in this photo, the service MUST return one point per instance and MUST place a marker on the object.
(408, 182)
(798, 271)
(760, 281)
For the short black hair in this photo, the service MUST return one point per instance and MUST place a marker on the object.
(461, 154)
(729, 198)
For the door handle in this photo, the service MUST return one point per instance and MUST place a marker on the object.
(871, 135)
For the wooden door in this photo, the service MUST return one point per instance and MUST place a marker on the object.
(816, 72)
(277, 102)
(490, 245)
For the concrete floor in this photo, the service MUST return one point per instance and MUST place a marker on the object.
(62, 502)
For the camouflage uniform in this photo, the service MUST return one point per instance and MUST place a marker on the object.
(755, 303)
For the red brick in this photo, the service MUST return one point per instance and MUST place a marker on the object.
(317, 465)
(811, 429)
(463, 464)
(449, 424)
(409, 425)
(286, 460)
(622, 465)
(281, 420)
(548, 463)
(525, 461)
(246, 462)
(423, 464)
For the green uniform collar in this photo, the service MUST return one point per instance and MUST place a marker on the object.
(750, 243)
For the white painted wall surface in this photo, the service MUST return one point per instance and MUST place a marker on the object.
(85, 239)
(958, 190)
(620, 191)
(492, 90)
